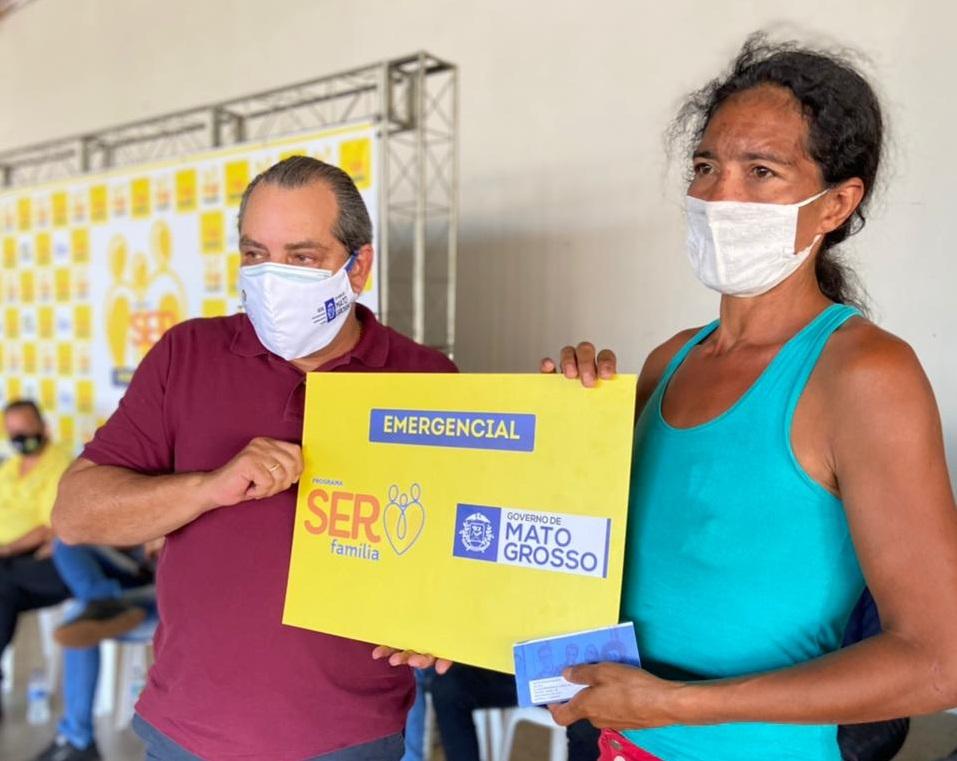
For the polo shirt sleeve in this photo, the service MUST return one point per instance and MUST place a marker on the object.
(137, 435)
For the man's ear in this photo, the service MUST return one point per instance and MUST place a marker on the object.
(361, 268)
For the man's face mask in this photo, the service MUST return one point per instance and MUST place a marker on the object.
(296, 311)
(28, 443)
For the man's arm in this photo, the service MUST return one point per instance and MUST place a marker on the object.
(105, 504)
(30, 541)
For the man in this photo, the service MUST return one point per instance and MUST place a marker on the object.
(28, 482)
(205, 448)
(97, 578)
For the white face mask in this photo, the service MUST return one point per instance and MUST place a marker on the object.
(744, 249)
(296, 311)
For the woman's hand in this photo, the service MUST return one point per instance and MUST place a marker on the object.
(618, 697)
(411, 658)
(580, 362)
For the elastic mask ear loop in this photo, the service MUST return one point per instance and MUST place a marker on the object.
(819, 236)
(352, 260)
(813, 198)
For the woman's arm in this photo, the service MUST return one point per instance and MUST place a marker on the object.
(888, 457)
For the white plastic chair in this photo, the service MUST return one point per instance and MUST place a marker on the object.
(558, 743)
(489, 726)
(124, 662)
(47, 621)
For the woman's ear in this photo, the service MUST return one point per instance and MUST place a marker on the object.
(841, 202)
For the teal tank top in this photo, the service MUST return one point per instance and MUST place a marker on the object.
(737, 561)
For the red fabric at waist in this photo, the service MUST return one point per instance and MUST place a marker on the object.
(614, 747)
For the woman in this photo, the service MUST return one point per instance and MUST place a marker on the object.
(784, 454)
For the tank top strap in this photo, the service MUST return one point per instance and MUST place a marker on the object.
(800, 355)
(685, 350)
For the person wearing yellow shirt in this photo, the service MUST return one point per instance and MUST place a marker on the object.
(28, 487)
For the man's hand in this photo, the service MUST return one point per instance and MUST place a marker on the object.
(580, 362)
(151, 549)
(411, 658)
(263, 468)
(44, 551)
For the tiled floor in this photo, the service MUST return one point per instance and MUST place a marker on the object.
(931, 737)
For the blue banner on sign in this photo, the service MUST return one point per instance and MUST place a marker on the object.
(467, 430)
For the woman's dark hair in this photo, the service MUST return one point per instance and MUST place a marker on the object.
(845, 128)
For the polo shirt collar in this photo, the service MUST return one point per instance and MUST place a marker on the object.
(372, 350)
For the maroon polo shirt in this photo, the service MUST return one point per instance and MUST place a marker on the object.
(230, 681)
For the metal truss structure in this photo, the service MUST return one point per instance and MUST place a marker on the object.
(414, 102)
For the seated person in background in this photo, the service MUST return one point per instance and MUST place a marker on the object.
(28, 484)
(466, 688)
(96, 577)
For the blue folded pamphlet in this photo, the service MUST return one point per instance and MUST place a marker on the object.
(539, 662)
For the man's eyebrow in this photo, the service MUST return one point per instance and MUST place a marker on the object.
(703, 154)
(300, 245)
(247, 241)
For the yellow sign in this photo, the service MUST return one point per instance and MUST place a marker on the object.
(67, 429)
(83, 321)
(84, 397)
(501, 499)
(186, 190)
(9, 253)
(214, 307)
(45, 322)
(237, 178)
(99, 206)
(211, 233)
(80, 239)
(232, 274)
(140, 193)
(27, 289)
(44, 250)
(61, 210)
(355, 158)
(64, 353)
(29, 357)
(11, 323)
(25, 214)
(62, 280)
(48, 394)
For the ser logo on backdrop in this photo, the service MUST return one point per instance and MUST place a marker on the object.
(358, 526)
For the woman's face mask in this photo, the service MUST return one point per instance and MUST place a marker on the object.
(744, 249)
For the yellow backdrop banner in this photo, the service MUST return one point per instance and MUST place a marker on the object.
(459, 514)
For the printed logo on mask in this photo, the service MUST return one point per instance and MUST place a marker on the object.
(331, 309)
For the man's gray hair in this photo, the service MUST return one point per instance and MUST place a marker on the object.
(353, 227)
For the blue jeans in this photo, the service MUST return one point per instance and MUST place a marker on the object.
(90, 576)
(415, 722)
(159, 747)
